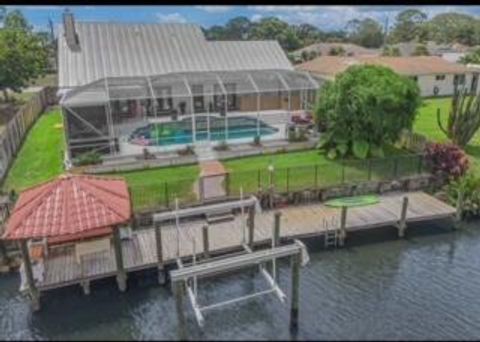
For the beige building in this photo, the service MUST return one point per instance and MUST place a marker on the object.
(435, 76)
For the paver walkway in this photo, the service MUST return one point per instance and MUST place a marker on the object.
(212, 177)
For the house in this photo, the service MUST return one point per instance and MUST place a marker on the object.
(434, 75)
(129, 87)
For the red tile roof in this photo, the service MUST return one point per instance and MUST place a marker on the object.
(70, 204)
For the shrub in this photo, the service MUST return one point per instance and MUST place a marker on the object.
(365, 108)
(222, 146)
(446, 160)
(88, 158)
(188, 150)
(469, 185)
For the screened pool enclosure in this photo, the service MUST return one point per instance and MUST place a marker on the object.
(123, 115)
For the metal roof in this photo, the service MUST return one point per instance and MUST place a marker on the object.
(119, 49)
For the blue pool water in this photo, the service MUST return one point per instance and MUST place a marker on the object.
(180, 132)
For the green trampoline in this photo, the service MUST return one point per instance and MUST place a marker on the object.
(355, 201)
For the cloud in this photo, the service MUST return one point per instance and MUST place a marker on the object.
(280, 8)
(256, 17)
(215, 9)
(171, 18)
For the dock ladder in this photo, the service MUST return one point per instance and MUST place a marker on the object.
(332, 233)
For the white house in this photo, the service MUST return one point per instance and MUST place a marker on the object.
(435, 76)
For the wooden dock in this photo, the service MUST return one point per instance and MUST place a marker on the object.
(140, 251)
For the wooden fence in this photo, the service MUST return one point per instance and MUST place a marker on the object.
(13, 133)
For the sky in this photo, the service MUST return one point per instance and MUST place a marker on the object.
(324, 17)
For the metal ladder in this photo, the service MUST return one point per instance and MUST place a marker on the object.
(331, 233)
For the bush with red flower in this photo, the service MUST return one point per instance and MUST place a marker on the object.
(447, 161)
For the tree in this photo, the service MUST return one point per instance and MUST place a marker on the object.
(365, 108)
(366, 32)
(421, 50)
(409, 25)
(308, 34)
(23, 54)
(472, 57)
(454, 27)
(237, 28)
(463, 119)
(391, 51)
(276, 29)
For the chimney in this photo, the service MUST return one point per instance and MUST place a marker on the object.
(70, 33)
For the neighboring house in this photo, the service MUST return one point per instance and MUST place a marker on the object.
(127, 87)
(434, 75)
(324, 49)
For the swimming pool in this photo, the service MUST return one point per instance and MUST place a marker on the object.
(213, 128)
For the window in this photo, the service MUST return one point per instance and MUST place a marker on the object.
(459, 79)
(231, 89)
(440, 77)
(165, 98)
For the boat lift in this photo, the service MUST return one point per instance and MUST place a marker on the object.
(185, 278)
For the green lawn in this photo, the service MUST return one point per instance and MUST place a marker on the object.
(154, 187)
(41, 155)
(426, 124)
(307, 169)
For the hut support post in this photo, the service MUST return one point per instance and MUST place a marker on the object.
(343, 225)
(251, 225)
(158, 242)
(295, 260)
(117, 246)
(32, 289)
(402, 224)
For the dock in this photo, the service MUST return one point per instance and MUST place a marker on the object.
(141, 252)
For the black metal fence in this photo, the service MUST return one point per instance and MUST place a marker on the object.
(302, 177)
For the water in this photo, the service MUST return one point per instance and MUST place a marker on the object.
(180, 132)
(423, 287)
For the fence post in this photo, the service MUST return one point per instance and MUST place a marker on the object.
(288, 179)
(258, 179)
(167, 199)
(316, 176)
(343, 170)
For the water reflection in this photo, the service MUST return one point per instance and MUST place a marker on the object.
(423, 287)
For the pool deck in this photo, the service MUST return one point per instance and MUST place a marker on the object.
(312, 220)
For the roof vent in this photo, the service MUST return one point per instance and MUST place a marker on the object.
(70, 33)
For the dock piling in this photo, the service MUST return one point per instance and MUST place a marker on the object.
(160, 266)
(117, 246)
(276, 241)
(343, 226)
(251, 225)
(402, 224)
(295, 261)
(178, 292)
(206, 246)
(33, 292)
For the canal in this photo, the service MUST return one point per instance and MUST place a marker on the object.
(426, 286)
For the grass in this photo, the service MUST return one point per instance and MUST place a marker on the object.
(153, 187)
(307, 169)
(426, 124)
(40, 158)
